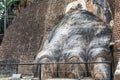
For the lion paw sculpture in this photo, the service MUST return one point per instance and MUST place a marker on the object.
(79, 37)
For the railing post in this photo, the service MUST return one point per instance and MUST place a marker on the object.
(16, 66)
(35, 70)
(5, 17)
(57, 69)
(86, 64)
(40, 72)
(111, 70)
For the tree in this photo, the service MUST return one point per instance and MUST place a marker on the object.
(8, 10)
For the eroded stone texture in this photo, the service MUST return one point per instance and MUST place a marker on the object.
(79, 37)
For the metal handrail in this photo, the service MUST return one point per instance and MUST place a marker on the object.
(48, 63)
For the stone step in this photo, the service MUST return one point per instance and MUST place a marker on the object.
(46, 79)
(19, 79)
(61, 79)
(70, 79)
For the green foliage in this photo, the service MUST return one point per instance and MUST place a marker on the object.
(1, 7)
(6, 7)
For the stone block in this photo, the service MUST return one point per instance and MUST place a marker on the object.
(117, 72)
(15, 77)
